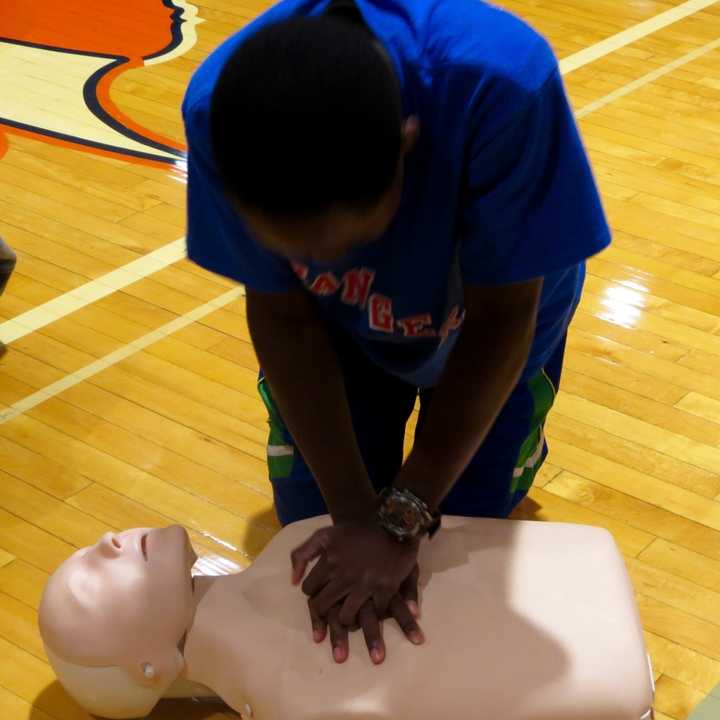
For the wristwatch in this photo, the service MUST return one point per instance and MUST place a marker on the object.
(405, 516)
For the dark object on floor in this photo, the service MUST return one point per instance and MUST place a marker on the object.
(7, 264)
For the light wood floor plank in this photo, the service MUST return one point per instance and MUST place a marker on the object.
(675, 698)
(656, 521)
(683, 563)
(22, 581)
(130, 481)
(32, 680)
(31, 544)
(698, 671)
(644, 433)
(52, 515)
(654, 412)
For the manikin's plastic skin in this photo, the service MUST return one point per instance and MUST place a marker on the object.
(524, 621)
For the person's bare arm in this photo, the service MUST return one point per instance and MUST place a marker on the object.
(482, 371)
(302, 369)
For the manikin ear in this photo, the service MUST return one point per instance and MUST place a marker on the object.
(158, 670)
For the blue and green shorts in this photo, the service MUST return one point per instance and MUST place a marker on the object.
(496, 480)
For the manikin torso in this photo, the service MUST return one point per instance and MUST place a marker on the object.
(522, 621)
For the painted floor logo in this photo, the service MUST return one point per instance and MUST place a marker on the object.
(58, 59)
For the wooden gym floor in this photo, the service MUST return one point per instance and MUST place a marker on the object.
(127, 393)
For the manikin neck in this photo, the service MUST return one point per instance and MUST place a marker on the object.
(195, 680)
(187, 686)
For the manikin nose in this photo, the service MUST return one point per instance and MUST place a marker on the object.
(109, 545)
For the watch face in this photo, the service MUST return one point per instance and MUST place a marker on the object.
(403, 513)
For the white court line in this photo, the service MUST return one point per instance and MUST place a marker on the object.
(122, 353)
(90, 292)
(632, 34)
(50, 391)
(645, 79)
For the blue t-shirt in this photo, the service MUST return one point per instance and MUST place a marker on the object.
(498, 189)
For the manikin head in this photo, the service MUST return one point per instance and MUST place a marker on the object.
(113, 617)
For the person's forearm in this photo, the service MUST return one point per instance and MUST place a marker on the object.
(307, 385)
(482, 371)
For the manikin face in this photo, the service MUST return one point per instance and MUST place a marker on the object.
(125, 601)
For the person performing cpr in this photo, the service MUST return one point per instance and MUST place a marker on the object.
(403, 191)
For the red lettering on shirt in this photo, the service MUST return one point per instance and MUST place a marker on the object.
(299, 269)
(453, 322)
(380, 313)
(416, 326)
(325, 284)
(356, 286)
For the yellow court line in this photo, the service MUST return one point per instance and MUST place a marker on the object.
(50, 391)
(92, 291)
(632, 34)
(645, 79)
(153, 262)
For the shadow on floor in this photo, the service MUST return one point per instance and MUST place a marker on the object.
(53, 701)
(528, 509)
(261, 529)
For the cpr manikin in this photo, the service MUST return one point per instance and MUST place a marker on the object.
(523, 620)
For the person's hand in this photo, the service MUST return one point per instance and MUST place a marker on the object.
(358, 562)
(358, 577)
(403, 608)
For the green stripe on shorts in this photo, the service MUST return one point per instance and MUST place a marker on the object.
(280, 453)
(528, 462)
